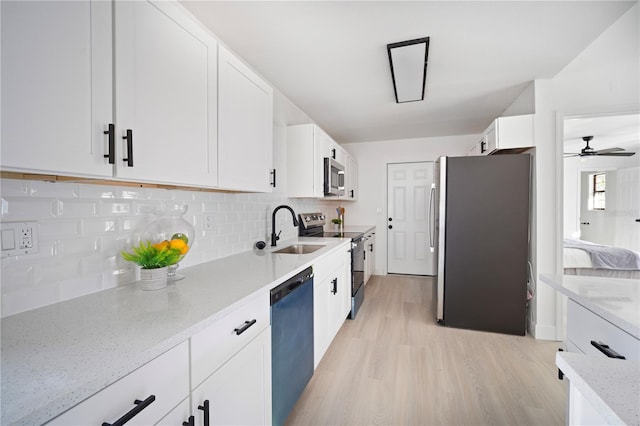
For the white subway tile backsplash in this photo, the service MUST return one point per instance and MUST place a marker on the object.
(83, 228)
(56, 228)
(75, 208)
(15, 209)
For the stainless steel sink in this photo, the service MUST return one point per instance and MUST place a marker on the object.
(299, 249)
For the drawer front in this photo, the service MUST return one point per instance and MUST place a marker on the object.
(214, 345)
(328, 263)
(166, 378)
(583, 326)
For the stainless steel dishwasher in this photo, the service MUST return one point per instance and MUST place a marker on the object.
(291, 342)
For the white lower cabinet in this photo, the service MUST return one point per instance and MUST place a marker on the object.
(369, 256)
(231, 367)
(179, 415)
(585, 327)
(239, 392)
(149, 393)
(331, 300)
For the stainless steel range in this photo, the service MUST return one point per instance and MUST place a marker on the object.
(312, 225)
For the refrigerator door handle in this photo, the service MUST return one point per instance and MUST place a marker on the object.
(432, 221)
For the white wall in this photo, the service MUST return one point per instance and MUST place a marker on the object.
(603, 79)
(373, 157)
(574, 166)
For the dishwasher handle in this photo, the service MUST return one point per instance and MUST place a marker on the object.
(282, 290)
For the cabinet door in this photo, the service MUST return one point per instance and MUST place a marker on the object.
(239, 393)
(351, 176)
(56, 87)
(490, 140)
(165, 95)
(339, 293)
(245, 143)
(321, 295)
(166, 378)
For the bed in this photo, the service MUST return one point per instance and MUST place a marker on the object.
(585, 258)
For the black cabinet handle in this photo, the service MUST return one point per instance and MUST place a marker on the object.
(390, 226)
(560, 373)
(112, 143)
(352, 192)
(205, 407)
(334, 290)
(140, 405)
(129, 138)
(333, 153)
(390, 219)
(585, 223)
(273, 173)
(638, 220)
(482, 147)
(605, 349)
(244, 327)
(371, 248)
(190, 422)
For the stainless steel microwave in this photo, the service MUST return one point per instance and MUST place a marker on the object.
(333, 177)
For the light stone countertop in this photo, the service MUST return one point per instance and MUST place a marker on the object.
(57, 356)
(615, 299)
(612, 386)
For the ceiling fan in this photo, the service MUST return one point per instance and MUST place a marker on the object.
(587, 151)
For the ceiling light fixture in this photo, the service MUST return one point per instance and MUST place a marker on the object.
(408, 61)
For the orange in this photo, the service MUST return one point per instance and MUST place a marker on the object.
(163, 245)
(179, 244)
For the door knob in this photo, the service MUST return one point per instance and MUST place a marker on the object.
(390, 219)
(390, 226)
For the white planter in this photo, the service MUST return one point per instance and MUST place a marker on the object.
(153, 279)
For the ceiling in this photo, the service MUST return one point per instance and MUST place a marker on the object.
(608, 131)
(329, 57)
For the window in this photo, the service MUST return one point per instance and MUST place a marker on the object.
(599, 183)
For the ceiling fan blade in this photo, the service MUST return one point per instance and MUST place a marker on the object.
(571, 154)
(616, 154)
(605, 151)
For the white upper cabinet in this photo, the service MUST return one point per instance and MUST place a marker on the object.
(508, 133)
(165, 95)
(307, 147)
(56, 87)
(306, 144)
(245, 134)
(351, 178)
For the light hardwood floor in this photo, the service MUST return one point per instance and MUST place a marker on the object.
(394, 365)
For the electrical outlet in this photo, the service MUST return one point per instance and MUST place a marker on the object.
(19, 238)
(209, 221)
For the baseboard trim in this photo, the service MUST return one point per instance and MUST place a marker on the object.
(545, 332)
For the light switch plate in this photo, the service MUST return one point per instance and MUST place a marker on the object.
(19, 238)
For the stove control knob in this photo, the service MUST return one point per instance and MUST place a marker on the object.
(321, 217)
(307, 218)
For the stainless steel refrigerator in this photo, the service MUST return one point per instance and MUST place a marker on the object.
(481, 230)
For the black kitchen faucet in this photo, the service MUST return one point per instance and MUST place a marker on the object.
(275, 237)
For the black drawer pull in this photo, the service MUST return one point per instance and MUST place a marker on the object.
(334, 281)
(190, 422)
(273, 173)
(205, 407)
(112, 144)
(140, 405)
(244, 327)
(605, 349)
(129, 139)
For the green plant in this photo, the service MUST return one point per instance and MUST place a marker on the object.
(336, 221)
(150, 256)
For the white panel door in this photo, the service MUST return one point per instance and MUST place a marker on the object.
(408, 195)
(165, 94)
(245, 143)
(56, 86)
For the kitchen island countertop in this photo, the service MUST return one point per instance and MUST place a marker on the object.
(56, 356)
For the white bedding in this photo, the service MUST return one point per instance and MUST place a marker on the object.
(578, 262)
